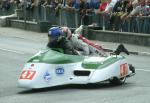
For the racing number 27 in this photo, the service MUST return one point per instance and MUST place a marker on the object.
(27, 75)
(123, 69)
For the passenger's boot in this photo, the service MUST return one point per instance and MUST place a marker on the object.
(120, 49)
(132, 68)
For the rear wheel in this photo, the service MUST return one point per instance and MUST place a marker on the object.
(117, 81)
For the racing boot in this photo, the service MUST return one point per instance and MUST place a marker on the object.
(120, 49)
(131, 67)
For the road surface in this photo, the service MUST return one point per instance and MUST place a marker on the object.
(16, 50)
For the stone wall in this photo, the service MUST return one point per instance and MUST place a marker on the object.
(120, 37)
(30, 25)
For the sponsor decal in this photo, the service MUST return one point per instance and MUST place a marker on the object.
(32, 65)
(27, 74)
(123, 69)
(59, 70)
(47, 76)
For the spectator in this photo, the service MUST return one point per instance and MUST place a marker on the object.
(118, 10)
(94, 4)
(30, 4)
(49, 3)
(0, 4)
(139, 10)
(148, 8)
(148, 3)
(123, 18)
(110, 6)
(102, 6)
(57, 4)
(76, 4)
(105, 8)
(135, 3)
(84, 8)
(69, 5)
(108, 12)
(5, 4)
(128, 8)
(18, 4)
(21, 4)
(42, 2)
(120, 6)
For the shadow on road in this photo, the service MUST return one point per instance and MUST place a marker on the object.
(106, 86)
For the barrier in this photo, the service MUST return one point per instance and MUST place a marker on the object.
(133, 24)
(103, 21)
(72, 19)
(137, 25)
(120, 37)
(10, 11)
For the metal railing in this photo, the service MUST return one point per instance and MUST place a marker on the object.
(11, 10)
(72, 19)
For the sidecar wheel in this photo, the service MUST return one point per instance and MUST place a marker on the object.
(117, 81)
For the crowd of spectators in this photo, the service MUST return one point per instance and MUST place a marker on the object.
(5, 4)
(114, 9)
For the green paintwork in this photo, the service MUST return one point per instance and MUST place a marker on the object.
(54, 57)
(101, 65)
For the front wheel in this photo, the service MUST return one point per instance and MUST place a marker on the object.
(117, 81)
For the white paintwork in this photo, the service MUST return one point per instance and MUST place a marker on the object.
(68, 77)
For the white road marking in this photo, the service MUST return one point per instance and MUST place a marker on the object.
(144, 53)
(11, 51)
(145, 70)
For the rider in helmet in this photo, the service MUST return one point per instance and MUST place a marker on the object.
(61, 37)
(57, 40)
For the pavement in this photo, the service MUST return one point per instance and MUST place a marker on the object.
(109, 46)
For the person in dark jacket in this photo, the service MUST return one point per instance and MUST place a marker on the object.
(57, 39)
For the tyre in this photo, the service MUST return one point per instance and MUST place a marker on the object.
(117, 81)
